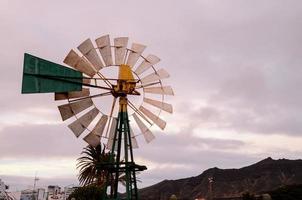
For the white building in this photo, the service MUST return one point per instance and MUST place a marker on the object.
(53, 191)
(68, 190)
(38, 194)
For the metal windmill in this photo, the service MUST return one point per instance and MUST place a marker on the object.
(136, 87)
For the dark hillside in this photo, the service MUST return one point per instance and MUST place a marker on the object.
(266, 175)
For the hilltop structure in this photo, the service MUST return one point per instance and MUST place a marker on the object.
(53, 191)
(36, 194)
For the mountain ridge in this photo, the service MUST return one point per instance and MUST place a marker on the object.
(265, 175)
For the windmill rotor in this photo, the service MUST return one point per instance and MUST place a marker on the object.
(139, 74)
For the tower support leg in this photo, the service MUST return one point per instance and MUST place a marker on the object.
(123, 168)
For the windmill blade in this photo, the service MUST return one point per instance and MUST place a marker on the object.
(71, 109)
(110, 115)
(120, 49)
(158, 121)
(142, 67)
(71, 95)
(147, 63)
(83, 122)
(152, 59)
(86, 81)
(103, 44)
(111, 133)
(79, 63)
(147, 85)
(161, 105)
(133, 139)
(100, 126)
(92, 139)
(165, 90)
(136, 51)
(156, 76)
(148, 135)
(88, 50)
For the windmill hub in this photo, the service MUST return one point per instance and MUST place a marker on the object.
(126, 83)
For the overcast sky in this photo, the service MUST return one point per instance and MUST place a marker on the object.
(235, 68)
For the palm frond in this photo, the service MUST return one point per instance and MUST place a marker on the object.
(91, 165)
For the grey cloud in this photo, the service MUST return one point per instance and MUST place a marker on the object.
(269, 120)
(207, 114)
(39, 141)
(186, 149)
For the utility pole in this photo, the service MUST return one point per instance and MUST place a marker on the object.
(35, 181)
(211, 181)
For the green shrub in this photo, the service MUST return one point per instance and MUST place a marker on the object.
(87, 193)
(248, 196)
(292, 192)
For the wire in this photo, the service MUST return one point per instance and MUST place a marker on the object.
(138, 111)
(91, 96)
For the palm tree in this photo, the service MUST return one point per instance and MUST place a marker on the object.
(91, 165)
(94, 168)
